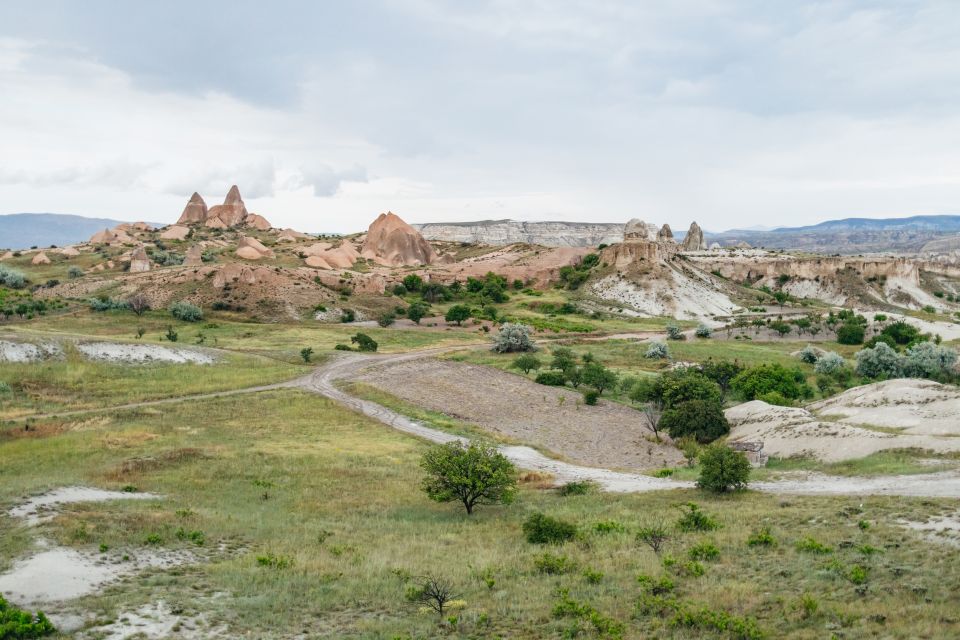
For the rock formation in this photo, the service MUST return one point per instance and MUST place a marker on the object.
(665, 234)
(392, 242)
(257, 222)
(637, 230)
(194, 257)
(111, 236)
(40, 258)
(321, 256)
(175, 232)
(70, 252)
(252, 249)
(139, 260)
(694, 239)
(195, 212)
(232, 212)
(502, 232)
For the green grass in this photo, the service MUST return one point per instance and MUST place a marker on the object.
(292, 477)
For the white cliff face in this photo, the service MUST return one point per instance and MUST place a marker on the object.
(501, 232)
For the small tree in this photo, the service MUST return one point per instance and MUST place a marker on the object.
(386, 319)
(512, 338)
(702, 419)
(527, 363)
(653, 412)
(138, 303)
(433, 591)
(364, 342)
(417, 311)
(563, 359)
(655, 536)
(473, 474)
(412, 282)
(781, 297)
(722, 469)
(850, 333)
(598, 376)
(457, 313)
(306, 353)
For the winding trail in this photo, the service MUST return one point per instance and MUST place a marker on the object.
(322, 381)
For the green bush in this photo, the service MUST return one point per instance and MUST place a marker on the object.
(605, 527)
(590, 397)
(457, 313)
(850, 333)
(703, 331)
(881, 361)
(364, 342)
(551, 378)
(674, 332)
(186, 312)
(723, 469)
(543, 529)
(75, 272)
(809, 545)
(657, 351)
(761, 538)
(513, 337)
(704, 551)
(553, 565)
(577, 488)
(16, 624)
(12, 278)
(694, 519)
(527, 363)
(701, 419)
(755, 381)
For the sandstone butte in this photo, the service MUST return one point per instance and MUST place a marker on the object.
(393, 243)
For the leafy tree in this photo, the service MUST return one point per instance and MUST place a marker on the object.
(434, 292)
(563, 359)
(702, 419)
(364, 342)
(722, 469)
(850, 333)
(417, 311)
(928, 360)
(457, 313)
(781, 297)
(412, 282)
(473, 474)
(598, 376)
(306, 353)
(903, 333)
(722, 372)
(513, 337)
(683, 385)
(527, 363)
(761, 379)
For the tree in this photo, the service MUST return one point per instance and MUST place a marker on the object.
(929, 360)
(655, 536)
(306, 353)
(683, 385)
(722, 469)
(881, 361)
(598, 376)
(434, 292)
(722, 372)
(526, 363)
(434, 591)
(563, 359)
(781, 297)
(417, 311)
(702, 419)
(513, 337)
(781, 327)
(386, 319)
(412, 282)
(364, 342)
(473, 474)
(138, 303)
(764, 378)
(850, 333)
(653, 412)
(457, 313)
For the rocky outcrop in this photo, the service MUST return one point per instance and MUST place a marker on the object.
(502, 232)
(694, 241)
(252, 249)
(665, 234)
(175, 232)
(392, 242)
(256, 221)
(70, 252)
(111, 236)
(231, 213)
(195, 212)
(194, 256)
(139, 260)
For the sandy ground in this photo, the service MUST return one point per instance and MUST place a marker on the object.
(916, 407)
(142, 353)
(28, 352)
(608, 434)
(943, 529)
(45, 506)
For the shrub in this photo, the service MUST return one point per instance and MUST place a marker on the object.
(5, 388)
(577, 488)
(12, 278)
(903, 333)
(702, 419)
(775, 398)
(551, 378)
(755, 381)
(364, 342)
(435, 592)
(704, 551)
(929, 360)
(655, 536)
(457, 313)
(473, 474)
(674, 332)
(829, 363)
(171, 334)
(592, 576)
(657, 350)
(347, 315)
(590, 397)
(656, 586)
(106, 304)
(186, 312)
(553, 565)
(17, 624)
(272, 561)
(75, 272)
(605, 527)
(723, 469)
(809, 545)
(417, 311)
(543, 529)
(342, 347)
(386, 319)
(693, 519)
(703, 331)
(306, 353)
(761, 538)
(412, 282)
(879, 362)
(850, 333)
(809, 354)
(527, 363)
(513, 338)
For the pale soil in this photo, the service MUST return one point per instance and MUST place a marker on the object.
(142, 353)
(943, 529)
(27, 352)
(43, 507)
(510, 406)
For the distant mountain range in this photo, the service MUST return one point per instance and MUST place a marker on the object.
(849, 235)
(25, 230)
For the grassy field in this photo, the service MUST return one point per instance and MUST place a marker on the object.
(334, 497)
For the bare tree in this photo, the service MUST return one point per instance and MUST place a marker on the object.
(435, 592)
(653, 411)
(655, 536)
(138, 303)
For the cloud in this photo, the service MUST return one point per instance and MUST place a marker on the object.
(327, 181)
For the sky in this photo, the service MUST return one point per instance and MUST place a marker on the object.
(732, 113)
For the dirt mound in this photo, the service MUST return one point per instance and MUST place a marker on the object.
(897, 414)
(392, 242)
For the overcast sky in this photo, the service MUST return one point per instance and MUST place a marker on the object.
(733, 114)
